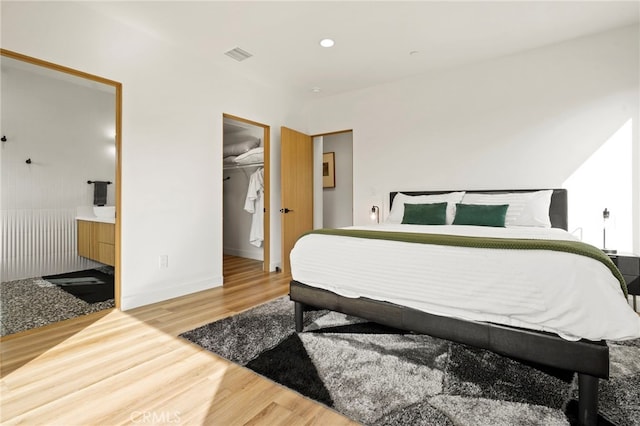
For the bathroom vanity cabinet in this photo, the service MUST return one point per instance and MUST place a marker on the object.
(96, 241)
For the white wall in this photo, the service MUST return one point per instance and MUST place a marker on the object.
(337, 202)
(171, 140)
(602, 181)
(65, 127)
(524, 121)
(318, 192)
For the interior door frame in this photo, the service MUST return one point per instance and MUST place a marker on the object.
(284, 247)
(332, 133)
(266, 142)
(118, 141)
(337, 132)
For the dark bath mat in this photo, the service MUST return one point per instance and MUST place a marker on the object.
(90, 285)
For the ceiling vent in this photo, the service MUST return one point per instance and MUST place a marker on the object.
(238, 54)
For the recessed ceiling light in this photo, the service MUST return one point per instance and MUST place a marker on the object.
(316, 90)
(327, 42)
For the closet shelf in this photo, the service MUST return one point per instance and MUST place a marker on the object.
(242, 166)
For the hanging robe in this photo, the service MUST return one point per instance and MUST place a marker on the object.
(254, 204)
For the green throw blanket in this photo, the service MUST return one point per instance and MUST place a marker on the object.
(575, 247)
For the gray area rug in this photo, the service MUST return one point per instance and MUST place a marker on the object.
(382, 376)
(34, 302)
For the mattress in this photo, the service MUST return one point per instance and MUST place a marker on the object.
(567, 294)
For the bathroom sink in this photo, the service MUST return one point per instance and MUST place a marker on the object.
(107, 212)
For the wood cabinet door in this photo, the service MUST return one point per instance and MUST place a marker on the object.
(106, 232)
(96, 241)
(85, 238)
(106, 254)
(105, 250)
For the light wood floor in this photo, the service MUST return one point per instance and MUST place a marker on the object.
(113, 368)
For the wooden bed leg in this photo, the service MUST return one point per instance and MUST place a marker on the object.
(299, 311)
(587, 399)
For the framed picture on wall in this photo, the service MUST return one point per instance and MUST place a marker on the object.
(329, 170)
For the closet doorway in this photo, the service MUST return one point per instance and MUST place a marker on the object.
(245, 190)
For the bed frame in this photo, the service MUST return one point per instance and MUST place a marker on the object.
(589, 359)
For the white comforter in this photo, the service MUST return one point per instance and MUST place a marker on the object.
(571, 295)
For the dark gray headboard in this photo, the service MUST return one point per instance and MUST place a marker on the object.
(557, 209)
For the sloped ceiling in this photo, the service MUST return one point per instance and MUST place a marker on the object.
(373, 39)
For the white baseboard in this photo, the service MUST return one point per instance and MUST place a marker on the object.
(163, 291)
(244, 253)
(275, 266)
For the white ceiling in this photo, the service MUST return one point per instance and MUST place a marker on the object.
(373, 39)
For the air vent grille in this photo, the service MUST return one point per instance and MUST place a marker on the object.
(238, 54)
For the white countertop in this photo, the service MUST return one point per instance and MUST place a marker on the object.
(96, 219)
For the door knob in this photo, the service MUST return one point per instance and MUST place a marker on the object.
(285, 210)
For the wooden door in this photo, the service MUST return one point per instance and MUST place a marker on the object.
(296, 151)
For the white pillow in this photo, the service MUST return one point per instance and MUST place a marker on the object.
(397, 209)
(240, 147)
(525, 208)
(255, 155)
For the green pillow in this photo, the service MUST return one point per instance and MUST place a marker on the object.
(425, 214)
(480, 214)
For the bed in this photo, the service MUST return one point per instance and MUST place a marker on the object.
(413, 289)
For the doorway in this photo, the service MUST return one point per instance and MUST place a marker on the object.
(245, 191)
(51, 161)
(302, 180)
(333, 199)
